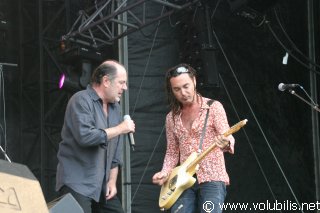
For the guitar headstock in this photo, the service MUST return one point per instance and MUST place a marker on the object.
(236, 127)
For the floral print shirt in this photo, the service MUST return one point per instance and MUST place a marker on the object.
(182, 142)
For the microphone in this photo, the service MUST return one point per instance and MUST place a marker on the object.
(282, 87)
(130, 134)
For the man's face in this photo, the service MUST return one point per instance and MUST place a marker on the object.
(183, 88)
(117, 85)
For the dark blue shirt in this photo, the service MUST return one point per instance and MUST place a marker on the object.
(85, 154)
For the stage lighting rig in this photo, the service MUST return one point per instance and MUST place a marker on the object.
(252, 10)
(77, 78)
(98, 26)
(80, 61)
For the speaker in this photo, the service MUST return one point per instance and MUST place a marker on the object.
(20, 191)
(65, 204)
(198, 48)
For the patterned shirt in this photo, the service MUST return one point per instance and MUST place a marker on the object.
(182, 142)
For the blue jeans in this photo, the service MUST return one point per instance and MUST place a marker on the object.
(204, 198)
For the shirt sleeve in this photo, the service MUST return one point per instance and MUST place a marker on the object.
(220, 123)
(80, 119)
(117, 159)
(172, 153)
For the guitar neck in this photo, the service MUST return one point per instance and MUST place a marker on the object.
(200, 157)
(232, 130)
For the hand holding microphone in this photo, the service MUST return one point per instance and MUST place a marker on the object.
(130, 122)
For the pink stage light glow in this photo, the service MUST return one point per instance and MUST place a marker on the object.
(61, 81)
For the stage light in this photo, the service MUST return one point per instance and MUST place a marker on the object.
(79, 62)
(61, 80)
(77, 78)
(68, 83)
(86, 69)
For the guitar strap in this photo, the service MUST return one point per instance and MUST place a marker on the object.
(204, 126)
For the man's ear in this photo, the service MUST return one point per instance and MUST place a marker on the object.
(105, 81)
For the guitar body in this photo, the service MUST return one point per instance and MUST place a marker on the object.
(179, 180)
(181, 177)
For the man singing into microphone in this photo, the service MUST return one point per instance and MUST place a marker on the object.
(90, 151)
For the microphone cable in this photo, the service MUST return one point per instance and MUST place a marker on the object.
(135, 105)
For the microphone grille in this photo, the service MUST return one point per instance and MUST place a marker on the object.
(281, 87)
(126, 117)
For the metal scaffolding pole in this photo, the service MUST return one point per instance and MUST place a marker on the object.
(314, 94)
(126, 169)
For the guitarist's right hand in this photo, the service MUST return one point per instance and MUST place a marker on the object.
(160, 178)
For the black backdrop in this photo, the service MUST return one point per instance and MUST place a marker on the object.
(273, 158)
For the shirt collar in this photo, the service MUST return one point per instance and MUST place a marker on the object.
(205, 104)
(92, 93)
(94, 96)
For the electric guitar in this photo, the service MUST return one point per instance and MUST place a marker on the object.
(181, 177)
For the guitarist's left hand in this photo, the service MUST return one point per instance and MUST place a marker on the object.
(222, 142)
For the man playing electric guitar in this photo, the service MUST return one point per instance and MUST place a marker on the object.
(195, 123)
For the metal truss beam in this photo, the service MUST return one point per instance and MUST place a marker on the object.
(99, 27)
